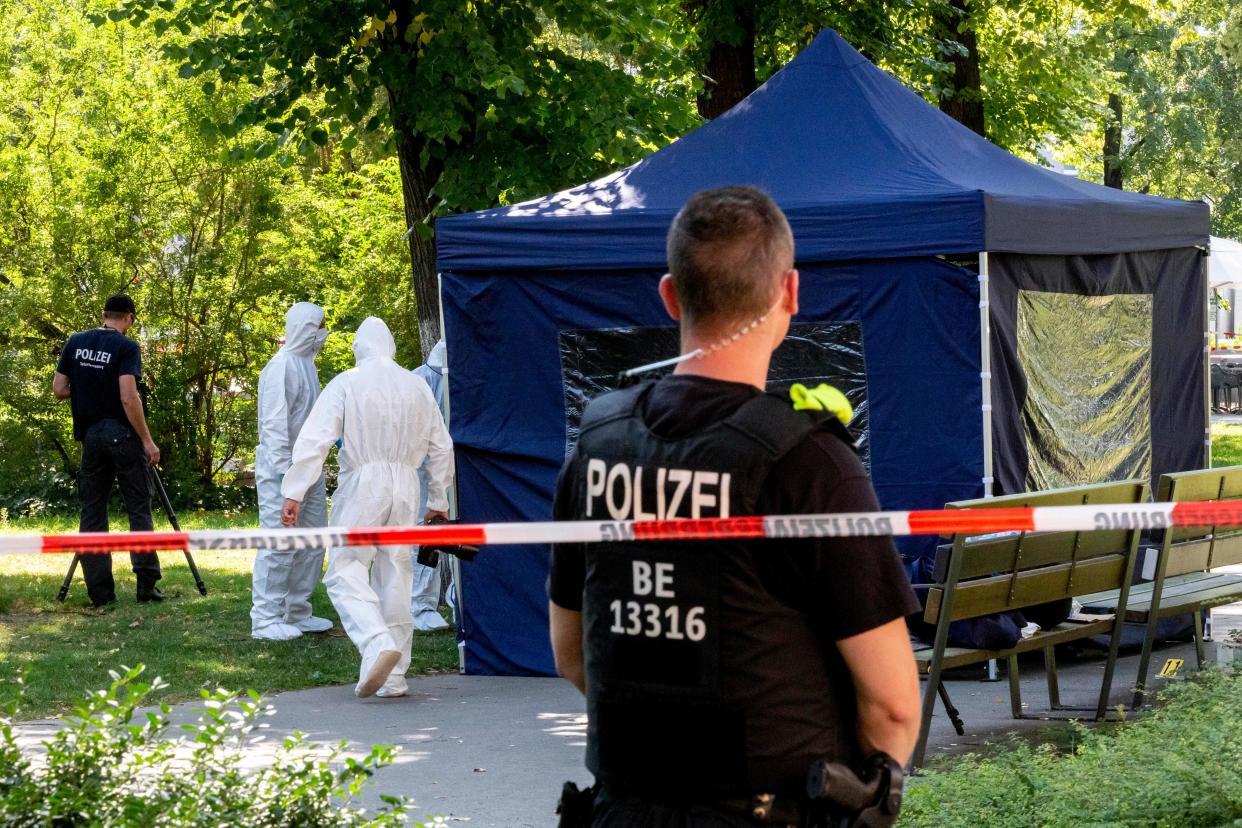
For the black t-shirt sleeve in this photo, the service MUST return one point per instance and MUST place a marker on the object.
(64, 365)
(567, 574)
(850, 585)
(129, 359)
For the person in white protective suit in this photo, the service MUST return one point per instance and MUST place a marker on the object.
(388, 423)
(425, 601)
(288, 387)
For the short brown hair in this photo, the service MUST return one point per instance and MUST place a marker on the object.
(726, 249)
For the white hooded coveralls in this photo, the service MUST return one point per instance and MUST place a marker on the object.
(425, 601)
(388, 422)
(288, 387)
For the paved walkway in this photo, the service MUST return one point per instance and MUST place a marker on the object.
(494, 751)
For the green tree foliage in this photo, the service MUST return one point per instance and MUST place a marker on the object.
(1015, 70)
(737, 44)
(110, 179)
(1177, 79)
(482, 103)
(1020, 72)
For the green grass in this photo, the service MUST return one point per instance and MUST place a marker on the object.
(191, 641)
(1226, 444)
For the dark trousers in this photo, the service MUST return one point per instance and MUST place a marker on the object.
(112, 451)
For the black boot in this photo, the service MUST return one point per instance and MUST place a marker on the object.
(148, 594)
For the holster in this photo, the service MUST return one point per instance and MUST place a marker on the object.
(576, 806)
(871, 797)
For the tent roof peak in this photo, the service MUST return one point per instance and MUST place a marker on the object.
(874, 170)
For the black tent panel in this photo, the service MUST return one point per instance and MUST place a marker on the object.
(1097, 367)
(820, 352)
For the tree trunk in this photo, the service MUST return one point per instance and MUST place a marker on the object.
(729, 71)
(963, 102)
(417, 179)
(1113, 174)
(416, 184)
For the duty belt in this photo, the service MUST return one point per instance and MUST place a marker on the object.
(760, 809)
(766, 809)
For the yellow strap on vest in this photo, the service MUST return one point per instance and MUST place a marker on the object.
(822, 398)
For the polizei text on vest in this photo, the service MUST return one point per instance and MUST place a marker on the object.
(654, 492)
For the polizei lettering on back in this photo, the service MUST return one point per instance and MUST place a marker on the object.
(101, 358)
(626, 492)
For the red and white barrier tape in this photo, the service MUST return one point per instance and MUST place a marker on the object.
(859, 524)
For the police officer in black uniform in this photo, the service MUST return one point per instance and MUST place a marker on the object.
(717, 672)
(98, 373)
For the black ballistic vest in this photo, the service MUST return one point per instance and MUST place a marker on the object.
(700, 682)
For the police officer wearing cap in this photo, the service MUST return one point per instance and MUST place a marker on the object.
(98, 373)
(717, 672)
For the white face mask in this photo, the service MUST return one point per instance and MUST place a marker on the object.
(321, 336)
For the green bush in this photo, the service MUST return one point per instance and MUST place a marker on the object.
(1178, 765)
(113, 764)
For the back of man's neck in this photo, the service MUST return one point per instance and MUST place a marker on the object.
(746, 367)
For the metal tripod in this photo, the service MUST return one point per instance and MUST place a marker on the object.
(156, 483)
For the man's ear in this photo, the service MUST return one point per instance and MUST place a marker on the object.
(791, 291)
(668, 293)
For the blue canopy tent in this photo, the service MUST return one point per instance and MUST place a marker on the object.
(938, 271)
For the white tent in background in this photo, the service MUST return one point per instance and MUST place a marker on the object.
(1225, 263)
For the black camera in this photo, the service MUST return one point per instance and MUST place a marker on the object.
(429, 555)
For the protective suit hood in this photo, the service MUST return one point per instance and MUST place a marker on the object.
(303, 336)
(373, 341)
(435, 360)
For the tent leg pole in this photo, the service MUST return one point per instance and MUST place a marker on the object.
(1207, 360)
(454, 562)
(985, 370)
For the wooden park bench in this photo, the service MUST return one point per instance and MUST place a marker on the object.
(979, 575)
(1184, 582)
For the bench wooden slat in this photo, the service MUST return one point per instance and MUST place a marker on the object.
(1181, 534)
(1037, 549)
(1122, 491)
(1228, 549)
(1188, 556)
(1060, 634)
(1223, 483)
(998, 593)
(1203, 485)
(1184, 593)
